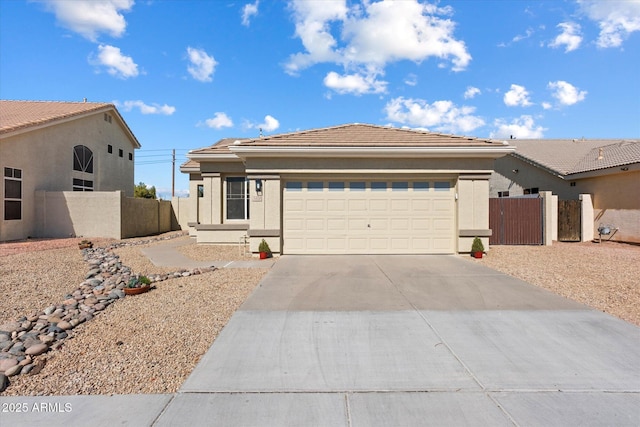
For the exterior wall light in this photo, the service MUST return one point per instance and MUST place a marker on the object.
(258, 186)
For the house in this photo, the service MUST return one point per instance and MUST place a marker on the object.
(607, 169)
(349, 189)
(59, 146)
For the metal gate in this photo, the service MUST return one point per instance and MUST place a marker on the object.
(569, 221)
(516, 221)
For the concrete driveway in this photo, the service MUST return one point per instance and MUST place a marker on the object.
(411, 340)
(388, 341)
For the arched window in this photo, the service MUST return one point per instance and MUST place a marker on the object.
(82, 159)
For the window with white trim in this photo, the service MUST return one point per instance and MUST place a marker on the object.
(12, 194)
(237, 198)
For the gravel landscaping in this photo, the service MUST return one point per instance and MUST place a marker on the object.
(605, 276)
(147, 343)
(150, 343)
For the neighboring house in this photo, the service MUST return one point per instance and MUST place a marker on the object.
(59, 146)
(607, 169)
(350, 189)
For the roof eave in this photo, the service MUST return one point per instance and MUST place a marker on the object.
(375, 152)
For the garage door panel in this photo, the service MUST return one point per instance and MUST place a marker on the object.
(315, 224)
(315, 205)
(400, 205)
(361, 219)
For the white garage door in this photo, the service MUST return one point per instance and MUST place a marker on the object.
(369, 217)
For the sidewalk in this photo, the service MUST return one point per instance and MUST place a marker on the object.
(166, 255)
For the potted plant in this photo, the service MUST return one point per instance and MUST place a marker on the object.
(137, 285)
(477, 248)
(263, 248)
(85, 244)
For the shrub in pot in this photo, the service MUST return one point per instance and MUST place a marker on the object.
(263, 248)
(477, 248)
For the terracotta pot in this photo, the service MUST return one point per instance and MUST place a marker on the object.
(477, 254)
(136, 291)
(263, 255)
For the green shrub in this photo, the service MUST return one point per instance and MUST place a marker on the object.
(477, 245)
(264, 247)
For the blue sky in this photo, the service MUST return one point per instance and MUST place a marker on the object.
(185, 74)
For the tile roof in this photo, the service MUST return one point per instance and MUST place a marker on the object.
(16, 115)
(365, 135)
(570, 156)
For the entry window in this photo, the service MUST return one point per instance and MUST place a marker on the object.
(378, 186)
(357, 186)
(12, 194)
(200, 190)
(442, 186)
(82, 185)
(421, 186)
(400, 186)
(237, 198)
(82, 159)
(336, 186)
(315, 186)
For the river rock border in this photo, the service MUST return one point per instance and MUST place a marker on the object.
(24, 341)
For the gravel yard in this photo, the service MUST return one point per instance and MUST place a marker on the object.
(605, 276)
(147, 343)
(150, 343)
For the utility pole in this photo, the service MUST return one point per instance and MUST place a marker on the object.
(173, 174)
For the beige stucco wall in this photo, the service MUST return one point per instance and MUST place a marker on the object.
(472, 211)
(627, 221)
(266, 207)
(45, 157)
(69, 214)
(181, 213)
(99, 214)
(618, 191)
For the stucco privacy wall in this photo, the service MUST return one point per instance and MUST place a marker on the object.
(72, 213)
(99, 214)
(181, 213)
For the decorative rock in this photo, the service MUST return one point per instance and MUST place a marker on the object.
(37, 349)
(5, 337)
(27, 368)
(64, 325)
(38, 367)
(14, 370)
(54, 319)
(92, 273)
(7, 363)
(49, 310)
(10, 327)
(4, 382)
(6, 345)
(47, 339)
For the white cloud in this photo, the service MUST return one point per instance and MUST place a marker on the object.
(411, 80)
(441, 116)
(524, 36)
(165, 109)
(616, 19)
(471, 92)
(374, 34)
(90, 17)
(570, 36)
(220, 120)
(270, 124)
(202, 65)
(566, 93)
(522, 127)
(517, 96)
(117, 64)
(546, 105)
(356, 84)
(249, 10)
